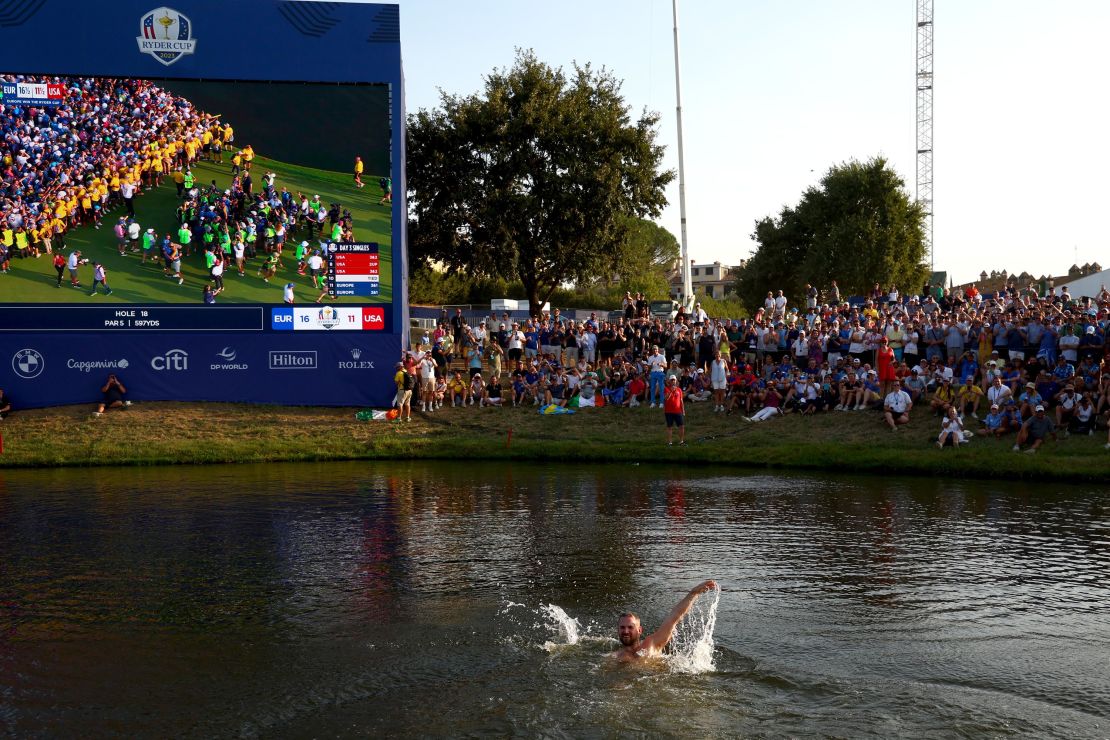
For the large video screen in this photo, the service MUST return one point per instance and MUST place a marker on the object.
(152, 191)
(202, 199)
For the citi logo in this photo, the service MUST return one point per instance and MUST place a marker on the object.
(293, 360)
(174, 359)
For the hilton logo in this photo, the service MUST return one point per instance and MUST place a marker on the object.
(293, 360)
(355, 363)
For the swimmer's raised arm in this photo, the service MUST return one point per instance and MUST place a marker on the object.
(658, 639)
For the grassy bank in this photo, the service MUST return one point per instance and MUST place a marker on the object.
(200, 433)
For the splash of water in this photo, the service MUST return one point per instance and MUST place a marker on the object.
(566, 628)
(692, 644)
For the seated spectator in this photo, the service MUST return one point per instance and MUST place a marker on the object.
(1029, 400)
(1035, 430)
(896, 408)
(492, 395)
(914, 385)
(637, 390)
(1083, 418)
(477, 389)
(851, 393)
(968, 398)
(951, 429)
(114, 392)
(996, 423)
(1066, 402)
(459, 390)
(772, 406)
(614, 390)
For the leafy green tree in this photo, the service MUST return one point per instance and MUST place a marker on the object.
(643, 264)
(858, 226)
(537, 178)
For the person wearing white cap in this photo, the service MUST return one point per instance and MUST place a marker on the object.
(994, 423)
(1035, 430)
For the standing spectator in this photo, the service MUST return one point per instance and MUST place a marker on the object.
(403, 400)
(674, 410)
(72, 264)
(100, 277)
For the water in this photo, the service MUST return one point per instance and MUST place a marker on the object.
(461, 600)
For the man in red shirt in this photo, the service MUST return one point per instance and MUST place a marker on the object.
(673, 410)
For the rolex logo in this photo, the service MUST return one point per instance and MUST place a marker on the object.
(356, 353)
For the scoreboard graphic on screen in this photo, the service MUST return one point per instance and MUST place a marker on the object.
(353, 269)
(198, 217)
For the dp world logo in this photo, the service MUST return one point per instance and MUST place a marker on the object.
(28, 363)
(166, 35)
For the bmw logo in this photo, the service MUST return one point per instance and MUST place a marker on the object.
(28, 363)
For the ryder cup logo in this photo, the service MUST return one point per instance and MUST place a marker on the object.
(327, 317)
(28, 363)
(166, 35)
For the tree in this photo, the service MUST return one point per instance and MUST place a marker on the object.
(858, 227)
(537, 178)
(643, 263)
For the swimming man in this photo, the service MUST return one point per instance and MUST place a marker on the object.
(631, 635)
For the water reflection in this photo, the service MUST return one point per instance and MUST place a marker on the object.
(341, 598)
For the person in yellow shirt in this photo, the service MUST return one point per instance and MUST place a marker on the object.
(35, 236)
(358, 172)
(236, 161)
(22, 244)
(58, 226)
(228, 135)
(968, 397)
(248, 156)
(113, 186)
(86, 207)
(179, 181)
(46, 232)
(943, 397)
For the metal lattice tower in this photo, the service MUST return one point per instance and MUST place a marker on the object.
(925, 118)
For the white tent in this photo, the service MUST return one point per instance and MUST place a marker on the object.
(1088, 285)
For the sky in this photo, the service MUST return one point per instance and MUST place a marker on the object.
(775, 93)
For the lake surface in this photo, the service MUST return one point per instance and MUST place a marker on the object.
(429, 600)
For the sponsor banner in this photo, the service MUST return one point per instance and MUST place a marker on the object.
(326, 369)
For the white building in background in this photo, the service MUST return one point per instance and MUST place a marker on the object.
(714, 280)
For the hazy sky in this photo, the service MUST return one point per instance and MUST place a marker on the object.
(774, 93)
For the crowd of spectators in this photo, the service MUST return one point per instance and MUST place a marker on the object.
(1014, 362)
(107, 142)
(64, 165)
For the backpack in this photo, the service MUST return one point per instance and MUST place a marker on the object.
(409, 382)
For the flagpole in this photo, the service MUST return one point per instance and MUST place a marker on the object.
(687, 288)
